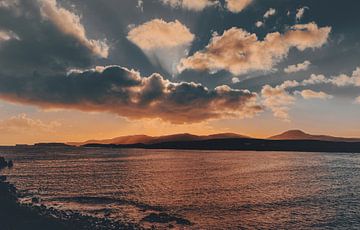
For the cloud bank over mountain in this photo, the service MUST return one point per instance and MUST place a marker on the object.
(124, 92)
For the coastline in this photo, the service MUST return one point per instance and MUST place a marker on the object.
(16, 216)
(246, 144)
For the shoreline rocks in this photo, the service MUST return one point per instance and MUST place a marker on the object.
(166, 218)
(5, 164)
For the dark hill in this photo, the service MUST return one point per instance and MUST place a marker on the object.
(249, 145)
(143, 139)
(300, 135)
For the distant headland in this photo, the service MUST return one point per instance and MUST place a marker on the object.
(292, 140)
(150, 140)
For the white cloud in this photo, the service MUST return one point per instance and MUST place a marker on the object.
(269, 13)
(315, 79)
(69, 23)
(310, 94)
(303, 36)
(300, 13)
(298, 67)
(140, 5)
(235, 80)
(237, 6)
(259, 24)
(278, 100)
(163, 42)
(195, 5)
(341, 80)
(234, 6)
(160, 34)
(22, 122)
(289, 84)
(344, 80)
(8, 3)
(8, 35)
(240, 52)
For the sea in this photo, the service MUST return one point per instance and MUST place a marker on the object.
(209, 189)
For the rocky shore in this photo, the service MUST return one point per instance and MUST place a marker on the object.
(16, 216)
(5, 164)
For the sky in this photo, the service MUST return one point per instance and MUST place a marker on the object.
(74, 70)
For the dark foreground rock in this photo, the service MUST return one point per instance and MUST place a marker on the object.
(164, 218)
(16, 216)
(5, 164)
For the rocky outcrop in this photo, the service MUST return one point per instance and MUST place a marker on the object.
(5, 164)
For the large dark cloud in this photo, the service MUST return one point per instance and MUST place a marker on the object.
(124, 92)
(41, 44)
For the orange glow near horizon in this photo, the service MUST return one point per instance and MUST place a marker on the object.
(73, 126)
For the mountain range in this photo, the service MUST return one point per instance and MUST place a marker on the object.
(149, 140)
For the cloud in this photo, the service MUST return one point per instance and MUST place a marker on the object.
(341, 80)
(298, 67)
(197, 5)
(22, 123)
(300, 13)
(237, 6)
(69, 23)
(160, 34)
(124, 92)
(140, 5)
(278, 100)
(8, 35)
(310, 94)
(235, 80)
(303, 36)
(269, 13)
(39, 40)
(289, 84)
(240, 52)
(344, 80)
(165, 43)
(8, 3)
(281, 97)
(314, 80)
(259, 24)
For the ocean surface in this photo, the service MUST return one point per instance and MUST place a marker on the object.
(211, 189)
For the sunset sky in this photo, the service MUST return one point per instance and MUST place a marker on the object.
(72, 70)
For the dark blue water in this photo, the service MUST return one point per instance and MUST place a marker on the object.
(212, 189)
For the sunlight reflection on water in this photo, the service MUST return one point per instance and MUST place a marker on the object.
(212, 189)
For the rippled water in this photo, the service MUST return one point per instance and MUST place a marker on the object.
(212, 189)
